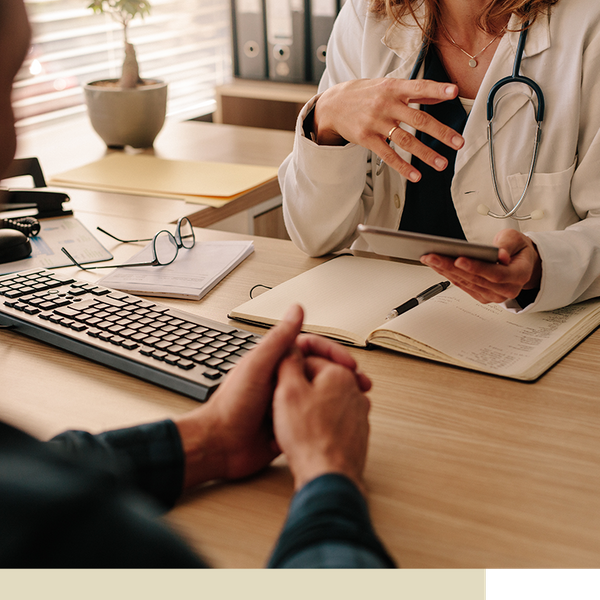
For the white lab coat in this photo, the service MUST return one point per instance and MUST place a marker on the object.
(328, 191)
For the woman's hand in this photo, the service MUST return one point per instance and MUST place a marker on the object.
(364, 111)
(519, 268)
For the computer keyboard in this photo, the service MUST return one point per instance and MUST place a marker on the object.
(172, 348)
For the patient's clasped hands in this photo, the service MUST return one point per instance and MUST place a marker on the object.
(294, 393)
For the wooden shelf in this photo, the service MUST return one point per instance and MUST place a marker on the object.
(267, 104)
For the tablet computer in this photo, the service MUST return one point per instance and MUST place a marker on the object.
(411, 246)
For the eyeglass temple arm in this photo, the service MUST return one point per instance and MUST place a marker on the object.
(141, 264)
(114, 237)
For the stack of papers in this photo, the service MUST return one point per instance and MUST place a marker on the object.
(191, 276)
(212, 184)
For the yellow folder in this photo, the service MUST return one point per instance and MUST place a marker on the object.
(209, 183)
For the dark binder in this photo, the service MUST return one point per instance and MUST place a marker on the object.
(286, 40)
(249, 39)
(322, 15)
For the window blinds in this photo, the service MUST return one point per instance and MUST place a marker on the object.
(184, 42)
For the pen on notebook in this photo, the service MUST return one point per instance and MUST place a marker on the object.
(425, 295)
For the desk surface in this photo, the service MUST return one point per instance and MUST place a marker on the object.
(464, 469)
(75, 144)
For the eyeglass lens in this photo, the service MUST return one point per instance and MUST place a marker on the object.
(185, 233)
(165, 247)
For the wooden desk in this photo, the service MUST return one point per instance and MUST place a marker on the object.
(464, 469)
(75, 144)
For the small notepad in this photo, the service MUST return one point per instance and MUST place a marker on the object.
(191, 276)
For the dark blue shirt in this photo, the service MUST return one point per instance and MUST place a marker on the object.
(428, 206)
(93, 501)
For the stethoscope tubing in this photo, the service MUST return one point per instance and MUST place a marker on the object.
(515, 77)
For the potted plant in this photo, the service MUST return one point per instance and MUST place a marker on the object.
(129, 110)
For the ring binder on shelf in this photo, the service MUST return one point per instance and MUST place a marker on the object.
(286, 40)
(322, 16)
(249, 39)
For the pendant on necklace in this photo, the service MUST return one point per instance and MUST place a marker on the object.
(472, 63)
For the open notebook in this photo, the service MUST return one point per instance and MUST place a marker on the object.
(348, 298)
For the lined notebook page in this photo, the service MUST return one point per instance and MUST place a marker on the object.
(346, 297)
(488, 337)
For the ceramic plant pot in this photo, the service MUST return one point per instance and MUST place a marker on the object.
(126, 116)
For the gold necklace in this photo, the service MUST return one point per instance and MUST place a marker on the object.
(472, 61)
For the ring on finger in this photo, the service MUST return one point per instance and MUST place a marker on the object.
(391, 132)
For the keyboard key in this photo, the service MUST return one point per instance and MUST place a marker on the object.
(185, 364)
(226, 367)
(162, 344)
(212, 373)
(213, 362)
(129, 345)
(242, 334)
(176, 348)
(199, 357)
(225, 337)
(14, 293)
(217, 344)
(230, 349)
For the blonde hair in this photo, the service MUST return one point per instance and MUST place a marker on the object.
(494, 12)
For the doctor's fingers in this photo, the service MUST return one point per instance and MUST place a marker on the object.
(515, 275)
(425, 123)
(485, 291)
(423, 91)
(481, 290)
(405, 140)
(483, 281)
(409, 143)
(487, 295)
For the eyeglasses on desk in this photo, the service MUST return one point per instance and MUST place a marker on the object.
(165, 246)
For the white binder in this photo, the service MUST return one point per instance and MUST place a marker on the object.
(249, 39)
(286, 40)
(322, 16)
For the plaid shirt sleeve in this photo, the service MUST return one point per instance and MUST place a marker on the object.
(149, 457)
(328, 526)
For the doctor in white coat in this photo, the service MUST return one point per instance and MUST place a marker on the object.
(357, 142)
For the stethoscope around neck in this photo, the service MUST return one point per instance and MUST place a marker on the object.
(491, 106)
